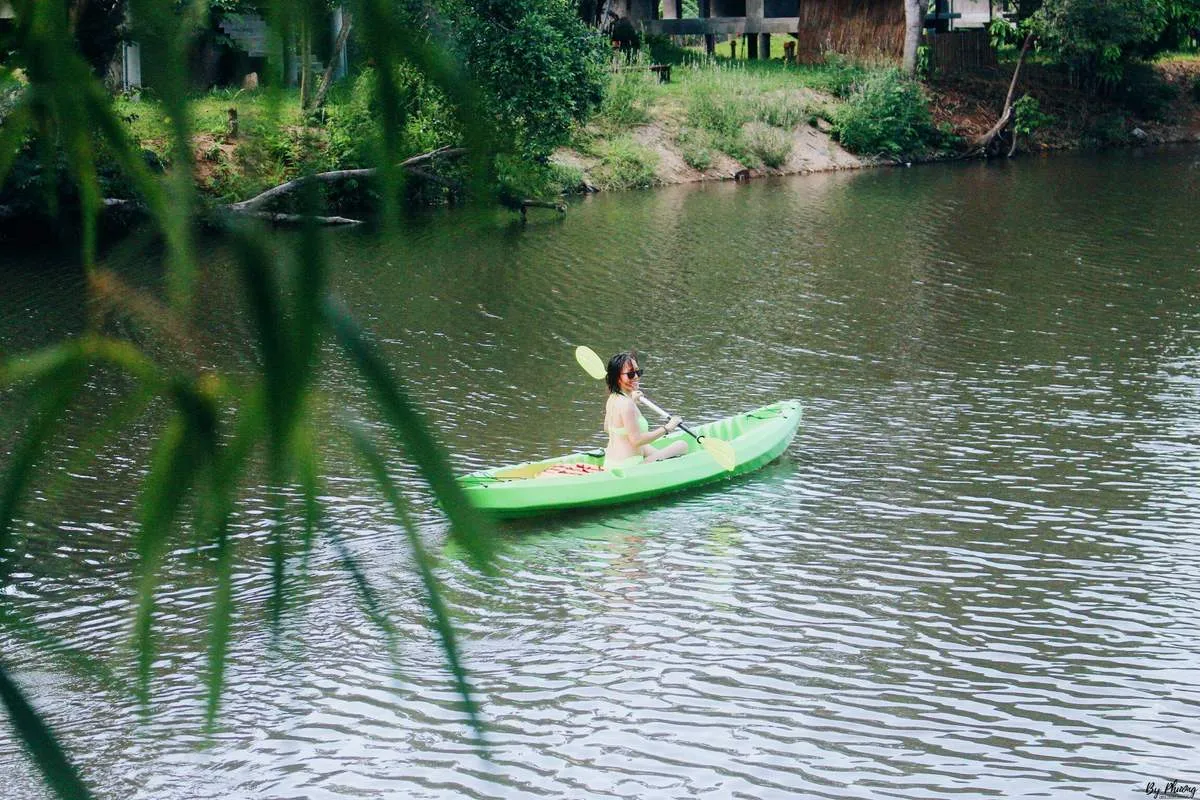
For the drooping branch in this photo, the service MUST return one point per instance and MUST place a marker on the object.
(561, 208)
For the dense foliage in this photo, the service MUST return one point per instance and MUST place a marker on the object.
(1098, 39)
(540, 67)
(428, 121)
(98, 25)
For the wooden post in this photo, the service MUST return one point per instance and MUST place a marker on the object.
(764, 46)
(754, 18)
(710, 41)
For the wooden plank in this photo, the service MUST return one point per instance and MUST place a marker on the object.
(718, 25)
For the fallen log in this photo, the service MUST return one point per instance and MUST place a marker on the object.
(528, 204)
(298, 219)
(411, 165)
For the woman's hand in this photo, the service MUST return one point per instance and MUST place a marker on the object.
(672, 424)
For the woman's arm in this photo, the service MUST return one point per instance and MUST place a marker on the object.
(633, 431)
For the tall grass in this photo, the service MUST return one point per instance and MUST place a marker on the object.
(747, 114)
(218, 427)
(631, 90)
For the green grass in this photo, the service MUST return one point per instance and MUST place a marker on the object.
(697, 147)
(259, 113)
(630, 94)
(747, 110)
(1178, 57)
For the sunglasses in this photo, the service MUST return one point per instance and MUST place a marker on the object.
(633, 373)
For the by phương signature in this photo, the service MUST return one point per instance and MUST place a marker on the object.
(1168, 789)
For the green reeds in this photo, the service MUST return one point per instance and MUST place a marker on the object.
(218, 428)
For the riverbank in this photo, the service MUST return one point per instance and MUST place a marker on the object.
(716, 119)
(1160, 104)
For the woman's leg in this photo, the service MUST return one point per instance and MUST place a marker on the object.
(670, 451)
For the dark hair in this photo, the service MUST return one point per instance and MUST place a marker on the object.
(616, 365)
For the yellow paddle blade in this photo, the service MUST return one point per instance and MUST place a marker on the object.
(592, 364)
(721, 451)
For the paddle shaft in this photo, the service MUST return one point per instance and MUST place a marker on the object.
(646, 401)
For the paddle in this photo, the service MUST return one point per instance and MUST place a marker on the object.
(721, 451)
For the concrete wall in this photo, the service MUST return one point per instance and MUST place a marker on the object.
(975, 14)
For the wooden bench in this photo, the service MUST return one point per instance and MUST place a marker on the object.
(663, 71)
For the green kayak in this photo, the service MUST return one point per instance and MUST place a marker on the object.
(757, 437)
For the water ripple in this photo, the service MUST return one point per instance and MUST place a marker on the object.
(970, 576)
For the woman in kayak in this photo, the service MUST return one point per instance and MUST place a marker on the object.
(628, 432)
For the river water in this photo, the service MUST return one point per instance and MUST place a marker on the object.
(973, 574)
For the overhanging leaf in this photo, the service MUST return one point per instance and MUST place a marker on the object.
(407, 425)
(43, 746)
(433, 591)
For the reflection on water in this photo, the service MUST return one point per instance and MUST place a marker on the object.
(971, 575)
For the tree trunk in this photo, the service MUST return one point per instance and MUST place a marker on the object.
(305, 62)
(983, 143)
(914, 22)
(338, 47)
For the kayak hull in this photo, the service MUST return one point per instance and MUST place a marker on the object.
(757, 437)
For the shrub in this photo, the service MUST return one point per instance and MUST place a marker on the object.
(838, 76)
(925, 66)
(353, 122)
(1028, 115)
(1105, 130)
(540, 68)
(771, 145)
(624, 164)
(519, 178)
(886, 114)
(10, 92)
(1098, 39)
(1003, 34)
